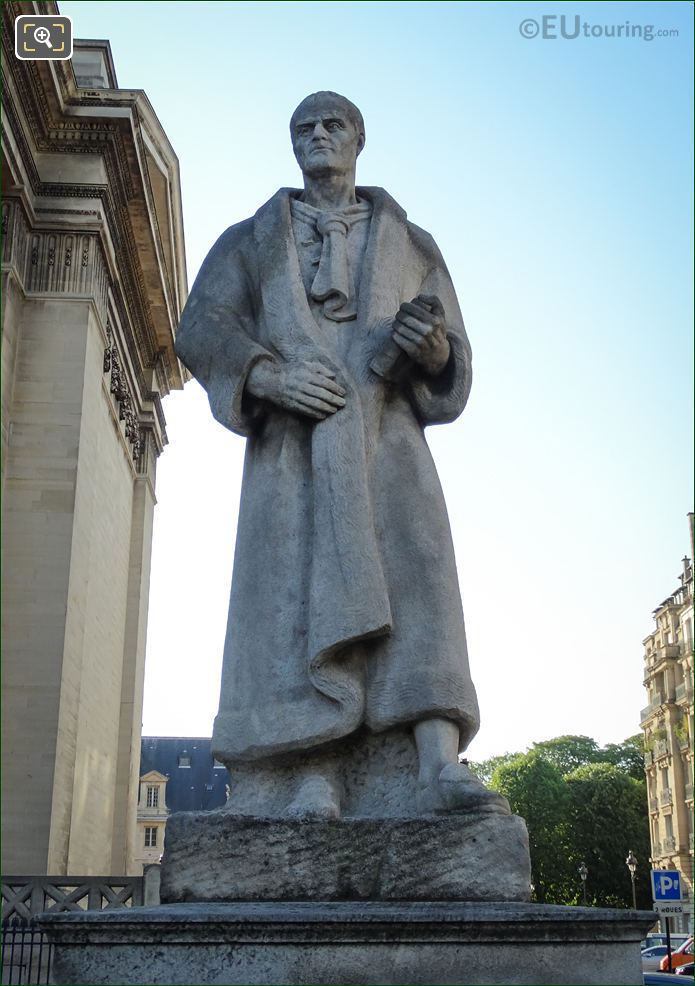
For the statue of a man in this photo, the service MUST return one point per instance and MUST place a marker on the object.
(326, 331)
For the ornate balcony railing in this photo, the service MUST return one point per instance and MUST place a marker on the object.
(656, 701)
(666, 797)
(661, 749)
(669, 650)
(684, 691)
(669, 844)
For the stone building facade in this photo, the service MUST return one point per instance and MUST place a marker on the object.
(93, 284)
(179, 773)
(667, 722)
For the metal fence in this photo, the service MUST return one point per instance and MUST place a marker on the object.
(26, 952)
(26, 955)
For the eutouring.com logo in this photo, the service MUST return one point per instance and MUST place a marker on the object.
(560, 27)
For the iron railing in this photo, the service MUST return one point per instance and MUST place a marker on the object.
(26, 952)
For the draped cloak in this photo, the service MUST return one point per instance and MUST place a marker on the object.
(345, 609)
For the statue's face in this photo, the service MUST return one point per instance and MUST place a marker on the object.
(324, 138)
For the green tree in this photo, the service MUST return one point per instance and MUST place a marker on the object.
(484, 769)
(628, 756)
(536, 790)
(569, 752)
(606, 817)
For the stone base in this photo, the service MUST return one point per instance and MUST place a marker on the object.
(368, 942)
(218, 856)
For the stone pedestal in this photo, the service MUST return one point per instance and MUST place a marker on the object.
(218, 856)
(348, 942)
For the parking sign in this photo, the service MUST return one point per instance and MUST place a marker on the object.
(666, 886)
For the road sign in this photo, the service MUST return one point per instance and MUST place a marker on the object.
(667, 910)
(666, 886)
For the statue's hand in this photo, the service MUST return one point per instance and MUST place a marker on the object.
(306, 388)
(420, 330)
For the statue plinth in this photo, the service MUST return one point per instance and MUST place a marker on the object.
(348, 942)
(217, 856)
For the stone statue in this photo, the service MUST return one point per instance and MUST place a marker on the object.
(326, 331)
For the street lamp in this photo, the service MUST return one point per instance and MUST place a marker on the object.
(631, 863)
(583, 874)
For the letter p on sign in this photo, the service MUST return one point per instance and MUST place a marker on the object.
(666, 885)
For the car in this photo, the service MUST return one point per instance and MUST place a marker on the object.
(686, 970)
(664, 978)
(651, 958)
(681, 956)
(659, 938)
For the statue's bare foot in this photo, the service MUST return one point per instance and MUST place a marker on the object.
(458, 789)
(316, 797)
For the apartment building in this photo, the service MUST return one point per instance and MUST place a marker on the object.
(667, 722)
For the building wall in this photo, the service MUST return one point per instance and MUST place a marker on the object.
(151, 817)
(88, 320)
(190, 779)
(668, 727)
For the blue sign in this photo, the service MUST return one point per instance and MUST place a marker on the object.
(666, 885)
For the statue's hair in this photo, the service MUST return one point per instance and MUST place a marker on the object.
(351, 110)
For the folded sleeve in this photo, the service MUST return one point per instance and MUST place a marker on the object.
(215, 339)
(440, 399)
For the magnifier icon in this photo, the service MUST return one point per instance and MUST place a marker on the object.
(42, 35)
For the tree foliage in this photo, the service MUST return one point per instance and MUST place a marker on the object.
(607, 816)
(569, 752)
(628, 756)
(582, 803)
(486, 768)
(536, 790)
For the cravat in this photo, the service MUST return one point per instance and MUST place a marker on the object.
(333, 282)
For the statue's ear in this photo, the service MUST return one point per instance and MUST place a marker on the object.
(361, 141)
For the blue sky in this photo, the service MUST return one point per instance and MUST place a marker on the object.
(556, 177)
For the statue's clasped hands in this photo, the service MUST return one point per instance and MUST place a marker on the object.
(419, 328)
(311, 389)
(305, 388)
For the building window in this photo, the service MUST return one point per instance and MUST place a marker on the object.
(184, 761)
(218, 766)
(150, 836)
(153, 796)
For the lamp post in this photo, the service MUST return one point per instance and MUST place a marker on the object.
(631, 863)
(583, 874)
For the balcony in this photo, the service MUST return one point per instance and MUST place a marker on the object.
(689, 791)
(684, 742)
(666, 797)
(684, 692)
(656, 702)
(669, 844)
(661, 749)
(656, 850)
(648, 758)
(669, 650)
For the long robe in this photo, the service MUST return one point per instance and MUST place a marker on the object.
(345, 610)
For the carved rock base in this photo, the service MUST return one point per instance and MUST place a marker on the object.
(218, 856)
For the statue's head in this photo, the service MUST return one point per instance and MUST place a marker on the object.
(327, 133)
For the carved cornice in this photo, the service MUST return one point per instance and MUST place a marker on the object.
(50, 261)
(119, 143)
